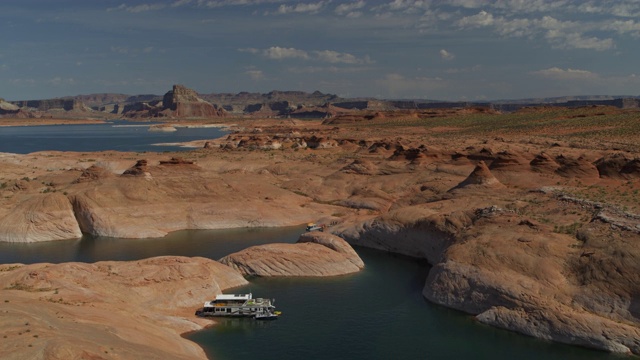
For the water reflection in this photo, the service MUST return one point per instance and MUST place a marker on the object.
(212, 244)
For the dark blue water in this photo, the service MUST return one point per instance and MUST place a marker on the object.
(116, 135)
(378, 313)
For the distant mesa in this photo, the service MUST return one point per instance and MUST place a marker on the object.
(180, 102)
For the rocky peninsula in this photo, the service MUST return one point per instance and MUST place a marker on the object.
(529, 219)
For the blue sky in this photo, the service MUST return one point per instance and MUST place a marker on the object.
(446, 50)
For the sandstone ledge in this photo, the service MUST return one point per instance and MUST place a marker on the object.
(315, 254)
(127, 310)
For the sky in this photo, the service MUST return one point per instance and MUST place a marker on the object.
(459, 50)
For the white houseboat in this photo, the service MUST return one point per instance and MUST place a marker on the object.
(239, 305)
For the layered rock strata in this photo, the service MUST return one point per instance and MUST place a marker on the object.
(315, 254)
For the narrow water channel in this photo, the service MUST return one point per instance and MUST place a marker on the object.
(378, 313)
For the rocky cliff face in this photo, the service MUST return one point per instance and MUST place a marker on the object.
(180, 102)
(52, 104)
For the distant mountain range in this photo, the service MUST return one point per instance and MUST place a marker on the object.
(274, 103)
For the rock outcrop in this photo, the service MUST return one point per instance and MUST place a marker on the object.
(481, 177)
(317, 254)
(42, 218)
(184, 102)
(180, 102)
(124, 310)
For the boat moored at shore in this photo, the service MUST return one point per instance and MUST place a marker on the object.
(239, 305)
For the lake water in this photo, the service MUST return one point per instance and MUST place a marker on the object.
(378, 313)
(115, 135)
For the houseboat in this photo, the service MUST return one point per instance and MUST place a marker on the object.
(239, 305)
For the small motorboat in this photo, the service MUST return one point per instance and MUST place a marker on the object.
(267, 315)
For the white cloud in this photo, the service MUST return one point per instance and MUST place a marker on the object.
(255, 74)
(463, 70)
(481, 19)
(348, 9)
(408, 6)
(119, 50)
(397, 85)
(59, 81)
(279, 53)
(331, 56)
(311, 8)
(131, 51)
(249, 50)
(222, 3)
(179, 3)
(22, 82)
(138, 8)
(328, 56)
(568, 74)
(328, 69)
(560, 34)
(578, 41)
(445, 55)
(623, 27)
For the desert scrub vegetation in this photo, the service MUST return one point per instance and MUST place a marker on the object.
(568, 124)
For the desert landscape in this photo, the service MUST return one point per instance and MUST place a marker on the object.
(529, 218)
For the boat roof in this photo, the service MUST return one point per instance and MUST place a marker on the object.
(233, 297)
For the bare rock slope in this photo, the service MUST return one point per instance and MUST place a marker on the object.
(315, 254)
(123, 310)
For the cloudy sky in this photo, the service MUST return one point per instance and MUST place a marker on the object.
(446, 50)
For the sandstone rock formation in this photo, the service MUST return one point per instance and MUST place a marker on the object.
(544, 163)
(317, 254)
(481, 177)
(125, 310)
(42, 218)
(183, 102)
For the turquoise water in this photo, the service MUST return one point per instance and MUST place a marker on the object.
(115, 135)
(378, 313)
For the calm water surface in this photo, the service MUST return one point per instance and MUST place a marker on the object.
(378, 313)
(116, 135)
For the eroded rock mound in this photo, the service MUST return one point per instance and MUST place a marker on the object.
(313, 255)
(177, 161)
(544, 163)
(139, 169)
(92, 173)
(509, 161)
(481, 177)
(576, 168)
(610, 165)
(361, 167)
(631, 170)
